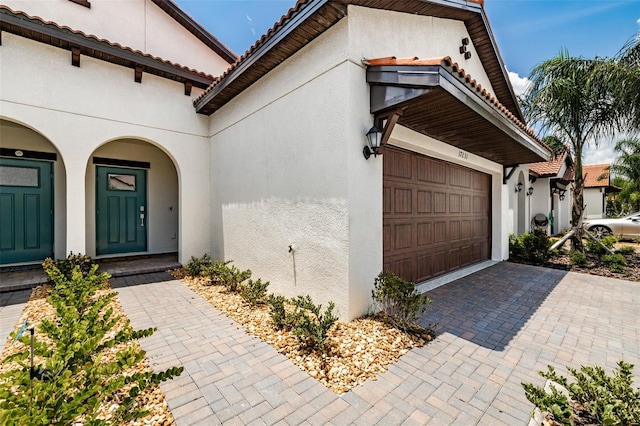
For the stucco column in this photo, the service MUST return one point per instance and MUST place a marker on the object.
(76, 223)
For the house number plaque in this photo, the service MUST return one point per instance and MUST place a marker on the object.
(463, 154)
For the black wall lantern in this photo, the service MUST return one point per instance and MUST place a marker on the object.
(530, 190)
(374, 138)
(519, 187)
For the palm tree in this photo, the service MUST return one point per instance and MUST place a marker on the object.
(575, 98)
(627, 166)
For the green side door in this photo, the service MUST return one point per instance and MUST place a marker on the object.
(26, 210)
(121, 210)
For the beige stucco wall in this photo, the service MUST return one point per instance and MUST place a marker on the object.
(377, 33)
(593, 203)
(287, 163)
(138, 24)
(80, 109)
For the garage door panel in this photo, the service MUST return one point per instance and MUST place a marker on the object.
(436, 215)
(439, 202)
(403, 235)
(429, 170)
(425, 233)
(386, 197)
(424, 201)
(454, 230)
(402, 200)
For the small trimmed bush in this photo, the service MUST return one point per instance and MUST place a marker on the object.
(225, 275)
(278, 312)
(595, 248)
(398, 299)
(531, 247)
(626, 251)
(66, 266)
(615, 262)
(593, 396)
(578, 258)
(74, 377)
(196, 266)
(311, 325)
(254, 292)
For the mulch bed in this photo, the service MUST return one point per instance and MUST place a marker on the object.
(594, 266)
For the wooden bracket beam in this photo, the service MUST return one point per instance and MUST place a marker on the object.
(386, 122)
(506, 176)
(138, 74)
(75, 56)
(187, 87)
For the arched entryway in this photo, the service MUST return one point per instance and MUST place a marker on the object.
(131, 200)
(32, 196)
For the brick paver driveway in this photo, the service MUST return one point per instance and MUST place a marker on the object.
(497, 327)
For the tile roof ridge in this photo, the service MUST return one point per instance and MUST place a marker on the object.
(105, 41)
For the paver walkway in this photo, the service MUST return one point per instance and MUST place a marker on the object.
(497, 327)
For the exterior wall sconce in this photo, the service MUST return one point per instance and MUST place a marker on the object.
(562, 195)
(530, 190)
(374, 137)
(519, 187)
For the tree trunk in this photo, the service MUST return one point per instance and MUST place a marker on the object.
(577, 209)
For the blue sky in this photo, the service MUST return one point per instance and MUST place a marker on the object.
(527, 31)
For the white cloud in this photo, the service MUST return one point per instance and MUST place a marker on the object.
(602, 154)
(251, 26)
(519, 84)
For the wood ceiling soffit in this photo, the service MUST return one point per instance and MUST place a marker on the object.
(81, 44)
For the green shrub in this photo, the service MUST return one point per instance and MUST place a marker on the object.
(254, 292)
(228, 276)
(278, 312)
(398, 299)
(578, 258)
(196, 266)
(626, 251)
(606, 400)
(311, 325)
(66, 266)
(75, 377)
(595, 248)
(616, 262)
(531, 247)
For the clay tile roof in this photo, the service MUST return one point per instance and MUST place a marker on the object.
(596, 175)
(455, 69)
(67, 30)
(548, 168)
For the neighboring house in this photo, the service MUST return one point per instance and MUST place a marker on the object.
(551, 195)
(268, 168)
(597, 186)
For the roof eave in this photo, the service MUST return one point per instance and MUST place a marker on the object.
(196, 29)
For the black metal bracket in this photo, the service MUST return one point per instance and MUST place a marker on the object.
(506, 176)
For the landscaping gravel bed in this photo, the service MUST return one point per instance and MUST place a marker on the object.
(37, 309)
(354, 352)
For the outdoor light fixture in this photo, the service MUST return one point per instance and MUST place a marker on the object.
(519, 187)
(530, 190)
(374, 137)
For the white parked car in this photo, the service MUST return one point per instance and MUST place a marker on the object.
(627, 227)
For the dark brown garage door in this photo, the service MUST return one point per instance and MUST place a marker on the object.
(436, 215)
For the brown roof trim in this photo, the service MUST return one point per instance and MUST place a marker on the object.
(455, 70)
(286, 37)
(475, 120)
(35, 28)
(196, 29)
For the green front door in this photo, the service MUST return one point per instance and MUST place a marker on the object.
(26, 210)
(121, 210)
